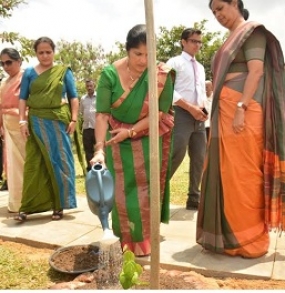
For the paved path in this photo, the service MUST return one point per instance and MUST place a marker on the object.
(178, 247)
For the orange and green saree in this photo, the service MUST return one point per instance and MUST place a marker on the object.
(129, 161)
(243, 182)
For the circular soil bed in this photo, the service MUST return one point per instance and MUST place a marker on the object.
(75, 259)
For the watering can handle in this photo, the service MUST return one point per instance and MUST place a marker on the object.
(100, 183)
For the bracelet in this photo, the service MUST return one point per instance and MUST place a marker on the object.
(23, 122)
(73, 121)
(132, 132)
(99, 142)
(100, 151)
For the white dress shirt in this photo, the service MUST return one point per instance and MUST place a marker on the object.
(185, 87)
(87, 109)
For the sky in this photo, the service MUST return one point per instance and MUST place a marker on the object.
(106, 21)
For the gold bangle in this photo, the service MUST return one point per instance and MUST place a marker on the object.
(132, 132)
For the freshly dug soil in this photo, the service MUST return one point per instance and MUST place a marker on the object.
(75, 259)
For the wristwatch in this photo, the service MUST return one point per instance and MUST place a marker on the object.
(241, 105)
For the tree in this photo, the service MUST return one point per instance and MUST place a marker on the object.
(85, 60)
(7, 6)
(6, 9)
(113, 56)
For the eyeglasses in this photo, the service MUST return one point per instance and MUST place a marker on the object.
(193, 41)
(7, 63)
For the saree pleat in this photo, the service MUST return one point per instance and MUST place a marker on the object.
(242, 175)
(50, 152)
(242, 193)
(15, 160)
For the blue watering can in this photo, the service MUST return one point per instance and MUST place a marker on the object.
(100, 193)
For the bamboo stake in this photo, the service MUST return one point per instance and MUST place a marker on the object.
(154, 151)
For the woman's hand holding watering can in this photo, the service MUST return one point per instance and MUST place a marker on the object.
(99, 157)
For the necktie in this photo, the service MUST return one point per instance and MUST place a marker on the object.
(194, 63)
(195, 68)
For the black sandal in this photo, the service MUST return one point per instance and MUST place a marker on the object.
(21, 217)
(57, 215)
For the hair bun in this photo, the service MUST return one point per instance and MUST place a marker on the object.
(245, 14)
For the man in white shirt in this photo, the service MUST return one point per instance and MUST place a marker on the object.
(87, 110)
(188, 101)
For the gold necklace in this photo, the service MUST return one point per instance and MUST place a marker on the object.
(128, 68)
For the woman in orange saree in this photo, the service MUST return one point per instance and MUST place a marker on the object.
(122, 128)
(243, 181)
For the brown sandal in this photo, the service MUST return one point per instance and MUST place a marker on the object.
(21, 217)
(57, 215)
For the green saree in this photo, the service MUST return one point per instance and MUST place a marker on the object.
(49, 175)
(129, 161)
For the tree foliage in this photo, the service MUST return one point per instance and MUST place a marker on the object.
(7, 6)
(6, 9)
(87, 60)
(120, 53)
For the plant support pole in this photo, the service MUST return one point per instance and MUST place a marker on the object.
(154, 151)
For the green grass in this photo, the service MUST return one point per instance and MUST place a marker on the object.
(179, 184)
(24, 272)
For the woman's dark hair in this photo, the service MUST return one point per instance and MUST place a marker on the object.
(136, 36)
(12, 53)
(44, 40)
(244, 12)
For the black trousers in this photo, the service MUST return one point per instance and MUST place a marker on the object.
(88, 137)
(189, 135)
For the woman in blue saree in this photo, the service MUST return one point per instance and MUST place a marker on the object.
(49, 174)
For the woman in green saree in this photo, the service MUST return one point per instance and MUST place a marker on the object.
(122, 132)
(49, 174)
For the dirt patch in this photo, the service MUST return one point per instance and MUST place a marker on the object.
(174, 280)
(169, 279)
(75, 259)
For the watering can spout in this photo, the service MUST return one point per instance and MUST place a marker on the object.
(100, 193)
